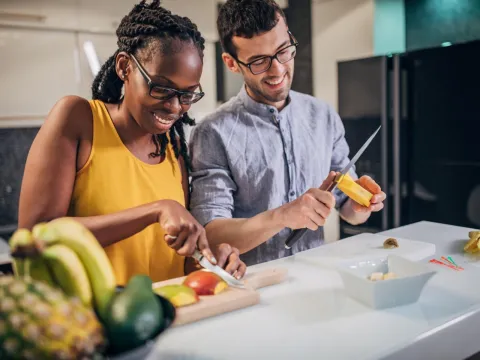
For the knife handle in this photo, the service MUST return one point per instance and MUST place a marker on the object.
(298, 233)
(331, 186)
(294, 237)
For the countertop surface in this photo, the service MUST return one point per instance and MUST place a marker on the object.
(310, 317)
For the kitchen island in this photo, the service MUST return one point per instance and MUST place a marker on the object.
(309, 316)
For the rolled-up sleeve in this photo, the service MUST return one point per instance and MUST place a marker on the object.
(340, 155)
(212, 186)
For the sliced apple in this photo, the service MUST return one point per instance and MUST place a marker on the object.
(179, 295)
(205, 283)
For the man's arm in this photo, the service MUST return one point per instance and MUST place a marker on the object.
(351, 216)
(212, 201)
(244, 234)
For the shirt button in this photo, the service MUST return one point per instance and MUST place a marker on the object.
(292, 193)
(272, 111)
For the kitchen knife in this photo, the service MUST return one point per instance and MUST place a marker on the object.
(197, 255)
(352, 188)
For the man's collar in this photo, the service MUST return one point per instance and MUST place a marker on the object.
(260, 109)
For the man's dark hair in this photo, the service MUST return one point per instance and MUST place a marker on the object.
(142, 28)
(246, 18)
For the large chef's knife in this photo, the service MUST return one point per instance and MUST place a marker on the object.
(297, 234)
(197, 255)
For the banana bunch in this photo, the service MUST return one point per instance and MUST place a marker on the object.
(473, 245)
(65, 254)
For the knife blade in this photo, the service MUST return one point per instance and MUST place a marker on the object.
(230, 280)
(298, 233)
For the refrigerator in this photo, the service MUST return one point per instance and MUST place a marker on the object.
(426, 157)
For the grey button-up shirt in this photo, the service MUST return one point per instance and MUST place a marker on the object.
(248, 157)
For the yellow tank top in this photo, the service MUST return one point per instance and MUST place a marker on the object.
(113, 179)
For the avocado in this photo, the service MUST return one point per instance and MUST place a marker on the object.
(134, 315)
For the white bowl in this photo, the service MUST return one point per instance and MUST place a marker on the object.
(402, 290)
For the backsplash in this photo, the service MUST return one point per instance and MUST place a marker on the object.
(14, 146)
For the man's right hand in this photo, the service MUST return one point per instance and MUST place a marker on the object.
(310, 210)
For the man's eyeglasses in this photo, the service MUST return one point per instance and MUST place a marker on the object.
(165, 93)
(264, 63)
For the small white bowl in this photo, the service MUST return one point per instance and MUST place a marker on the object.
(406, 288)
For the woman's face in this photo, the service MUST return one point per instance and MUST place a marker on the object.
(180, 69)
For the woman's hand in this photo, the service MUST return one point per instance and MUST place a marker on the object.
(183, 233)
(228, 257)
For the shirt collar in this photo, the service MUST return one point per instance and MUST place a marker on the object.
(260, 109)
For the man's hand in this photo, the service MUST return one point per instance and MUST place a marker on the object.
(354, 213)
(311, 209)
(376, 203)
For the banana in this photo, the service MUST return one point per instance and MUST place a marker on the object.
(473, 234)
(473, 244)
(72, 234)
(68, 272)
(38, 270)
(21, 237)
(31, 265)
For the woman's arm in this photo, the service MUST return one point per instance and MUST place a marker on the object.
(50, 171)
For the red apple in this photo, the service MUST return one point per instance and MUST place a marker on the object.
(179, 295)
(205, 282)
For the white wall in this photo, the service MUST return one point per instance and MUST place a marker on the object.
(342, 29)
(40, 66)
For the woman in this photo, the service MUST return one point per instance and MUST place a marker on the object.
(119, 163)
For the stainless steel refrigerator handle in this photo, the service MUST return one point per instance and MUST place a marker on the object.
(397, 193)
(384, 140)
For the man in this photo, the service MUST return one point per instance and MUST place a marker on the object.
(259, 159)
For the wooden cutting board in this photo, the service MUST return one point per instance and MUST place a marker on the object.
(229, 300)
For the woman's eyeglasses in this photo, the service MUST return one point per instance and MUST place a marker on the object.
(264, 63)
(165, 93)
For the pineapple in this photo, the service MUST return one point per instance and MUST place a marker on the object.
(40, 322)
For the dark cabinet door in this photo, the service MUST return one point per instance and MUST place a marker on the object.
(444, 114)
(363, 106)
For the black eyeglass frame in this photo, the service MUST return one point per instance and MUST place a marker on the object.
(174, 92)
(293, 42)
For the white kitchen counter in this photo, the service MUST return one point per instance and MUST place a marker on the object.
(309, 316)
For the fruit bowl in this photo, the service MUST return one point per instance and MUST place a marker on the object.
(142, 351)
(402, 286)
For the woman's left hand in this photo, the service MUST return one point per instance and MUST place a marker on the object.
(228, 258)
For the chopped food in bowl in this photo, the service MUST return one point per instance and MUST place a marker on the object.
(385, 282)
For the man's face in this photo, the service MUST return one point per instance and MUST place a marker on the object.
(272, 86)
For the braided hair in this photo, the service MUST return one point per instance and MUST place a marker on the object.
(138, 30)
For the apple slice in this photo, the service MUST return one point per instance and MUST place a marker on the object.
(205, 282)
(179, 295)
